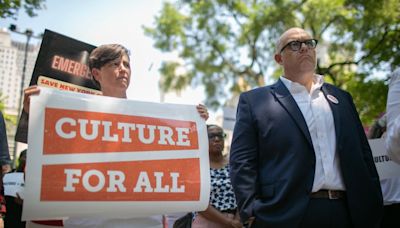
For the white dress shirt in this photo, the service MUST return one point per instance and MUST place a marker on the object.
(318, 116)
(393, 117)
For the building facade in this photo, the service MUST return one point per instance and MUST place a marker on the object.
(12, 54)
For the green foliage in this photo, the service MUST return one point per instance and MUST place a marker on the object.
(228, 45)
(10, 119)
(10, 8)
(366, 94)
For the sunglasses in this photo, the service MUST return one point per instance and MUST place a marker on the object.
(218, 135)
(296, 44)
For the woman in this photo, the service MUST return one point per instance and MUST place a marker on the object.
(111, 71)
(221, 212)
(14, 204)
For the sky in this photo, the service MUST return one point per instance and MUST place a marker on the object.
(102, 22)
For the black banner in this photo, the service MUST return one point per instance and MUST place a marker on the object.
(62, 63)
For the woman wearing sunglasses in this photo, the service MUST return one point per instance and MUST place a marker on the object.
(221, 211)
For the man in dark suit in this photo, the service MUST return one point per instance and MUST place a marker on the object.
(299, 154)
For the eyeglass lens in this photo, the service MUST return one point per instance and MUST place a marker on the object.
(218, 135)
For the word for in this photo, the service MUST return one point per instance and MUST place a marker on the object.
(114, 181)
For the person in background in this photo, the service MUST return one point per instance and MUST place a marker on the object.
(378, 128)
(111, 71)
(393, 117)
(4, 152)
(299, 155)
(2, 204)
(5, 166)
(14, 204)
(391, 123)
(222, 210)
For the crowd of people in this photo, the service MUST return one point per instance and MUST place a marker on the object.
(299, 155)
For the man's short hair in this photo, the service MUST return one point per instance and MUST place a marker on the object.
(104, 54)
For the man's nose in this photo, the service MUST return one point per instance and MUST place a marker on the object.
(303, 47)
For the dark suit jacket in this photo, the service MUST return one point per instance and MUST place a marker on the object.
(273, 160)
(4, 153)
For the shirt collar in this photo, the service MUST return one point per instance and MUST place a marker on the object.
(294, 87)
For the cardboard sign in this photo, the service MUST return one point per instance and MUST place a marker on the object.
(62, 63)
(13, 183)
(117, 158)
(384, 165)
(229, 118)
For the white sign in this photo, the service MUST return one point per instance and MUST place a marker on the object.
(113, 158)
(229, 118)
(13, 183)
(385, 166)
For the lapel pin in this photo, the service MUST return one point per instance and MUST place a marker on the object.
(333, 99)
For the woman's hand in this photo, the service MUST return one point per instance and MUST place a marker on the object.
(28, 92)
(236, 223)
(202, 110)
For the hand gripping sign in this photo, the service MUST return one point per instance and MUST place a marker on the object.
(106, 157)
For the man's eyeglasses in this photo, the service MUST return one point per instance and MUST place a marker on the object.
(218, 135)
(296, 44)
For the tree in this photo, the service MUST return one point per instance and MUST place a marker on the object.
(228, 45)
(11, 120)
(10, 8)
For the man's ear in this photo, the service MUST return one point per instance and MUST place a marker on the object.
(278, 58)
(96, 74)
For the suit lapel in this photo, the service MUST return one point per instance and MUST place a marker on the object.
(282, 94)
(331, 97)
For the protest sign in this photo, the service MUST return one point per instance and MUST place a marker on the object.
(62, 63)
(229, 118)
(384, 165)
(109, 157)
(13, 183)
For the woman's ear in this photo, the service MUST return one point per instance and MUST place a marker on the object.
(96, 74)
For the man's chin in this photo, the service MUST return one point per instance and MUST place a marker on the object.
(307, 67)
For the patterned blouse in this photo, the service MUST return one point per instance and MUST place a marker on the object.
(222, 196)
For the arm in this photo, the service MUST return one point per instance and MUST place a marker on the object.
(393, 118)
(4, 153)
(28, 92)
(214, 215)
(244, 159)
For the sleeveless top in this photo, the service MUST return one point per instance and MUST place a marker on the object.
(222, 196)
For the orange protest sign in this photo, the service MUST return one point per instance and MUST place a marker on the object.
(73, 131)
(123, 159)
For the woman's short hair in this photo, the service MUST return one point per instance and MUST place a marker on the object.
(104, 54)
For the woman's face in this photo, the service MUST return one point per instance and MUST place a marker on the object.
(216, 138)
(115, 74)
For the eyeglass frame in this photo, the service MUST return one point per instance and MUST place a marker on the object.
(301, 44)
(220, 136)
